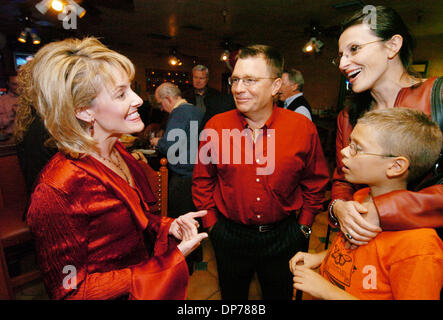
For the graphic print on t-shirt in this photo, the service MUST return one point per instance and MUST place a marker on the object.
(339, 266)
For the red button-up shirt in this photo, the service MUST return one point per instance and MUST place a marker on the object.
(261, 182)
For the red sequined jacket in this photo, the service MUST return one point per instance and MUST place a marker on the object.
(91, 234)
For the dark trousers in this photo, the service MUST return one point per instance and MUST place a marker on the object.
(241, 251)
(179, 203)
(179, 195)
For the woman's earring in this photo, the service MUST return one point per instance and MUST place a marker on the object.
(91, 127)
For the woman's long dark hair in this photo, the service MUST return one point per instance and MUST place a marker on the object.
(388, 24)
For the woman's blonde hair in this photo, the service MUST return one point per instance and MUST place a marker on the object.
(25, 113)
(66, 76)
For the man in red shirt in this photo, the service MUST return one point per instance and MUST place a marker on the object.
(261, 174)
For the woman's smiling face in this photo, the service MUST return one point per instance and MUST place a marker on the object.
(115, 108)
(364, 57)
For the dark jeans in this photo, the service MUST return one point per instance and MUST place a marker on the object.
(241, 251)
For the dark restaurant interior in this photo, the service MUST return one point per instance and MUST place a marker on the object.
(208, 32)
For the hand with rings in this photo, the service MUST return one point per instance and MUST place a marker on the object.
(353, 219)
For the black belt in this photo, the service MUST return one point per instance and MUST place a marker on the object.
(265, 227)
(262, 227)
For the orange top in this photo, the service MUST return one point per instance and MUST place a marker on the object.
(395, 265)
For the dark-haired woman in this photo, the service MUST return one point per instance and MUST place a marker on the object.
(375, 56)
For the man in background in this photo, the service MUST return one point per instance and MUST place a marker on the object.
(291, 93)
(208, 99)
(180, 153)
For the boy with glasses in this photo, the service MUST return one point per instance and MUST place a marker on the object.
(388, 148)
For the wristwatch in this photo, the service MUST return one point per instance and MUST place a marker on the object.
(306, 230)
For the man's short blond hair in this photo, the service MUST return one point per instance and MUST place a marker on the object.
(272, 56)
(67, 76)
(408, 133)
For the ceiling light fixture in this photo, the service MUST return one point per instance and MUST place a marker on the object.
(59, 6)
(312, 45)
(32, 32)
(80, 11)
(174, 60)
(43, 6)
(22, 36)
(225, 56)
(35, 38)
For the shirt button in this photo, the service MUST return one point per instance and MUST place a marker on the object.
(258, 198)
(258, 180)
(259, 216)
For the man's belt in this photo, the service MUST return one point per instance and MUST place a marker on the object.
(263, 227)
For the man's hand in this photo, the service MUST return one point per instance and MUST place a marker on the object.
(353, 224)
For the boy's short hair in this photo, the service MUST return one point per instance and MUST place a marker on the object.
(408, 133)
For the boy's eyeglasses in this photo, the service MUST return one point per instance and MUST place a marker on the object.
(248, 82)
(353, 51)
(354, 150)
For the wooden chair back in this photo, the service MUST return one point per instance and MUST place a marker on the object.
(158, 181)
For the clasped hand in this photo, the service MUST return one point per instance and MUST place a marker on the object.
(185, 228)
(359, 221)
(306, 279)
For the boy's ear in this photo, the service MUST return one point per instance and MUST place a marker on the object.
(84, 114)
(398, 167)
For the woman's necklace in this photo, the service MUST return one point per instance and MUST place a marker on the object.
(116, 164)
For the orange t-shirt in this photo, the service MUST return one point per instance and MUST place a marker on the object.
(395, 265)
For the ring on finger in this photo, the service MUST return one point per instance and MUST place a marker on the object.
(348, 236)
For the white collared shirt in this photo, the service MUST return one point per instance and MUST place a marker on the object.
(301, 109)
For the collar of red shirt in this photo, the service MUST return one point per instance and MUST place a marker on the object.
(268, 123)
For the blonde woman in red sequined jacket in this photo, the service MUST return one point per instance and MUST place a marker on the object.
(89, 212)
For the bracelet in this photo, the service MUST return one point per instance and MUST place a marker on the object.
(332, 217)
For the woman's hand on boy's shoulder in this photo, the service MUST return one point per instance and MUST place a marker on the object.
(358, 222)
